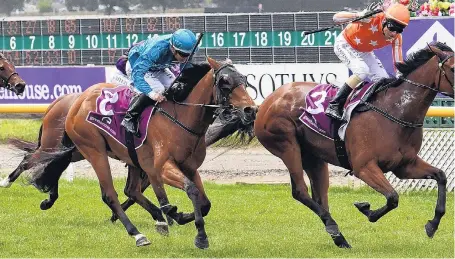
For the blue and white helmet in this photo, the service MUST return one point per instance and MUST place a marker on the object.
(183, 40)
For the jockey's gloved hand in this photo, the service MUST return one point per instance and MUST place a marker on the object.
(158, 97)
(374, 6)
(370, 8)
(177, 87)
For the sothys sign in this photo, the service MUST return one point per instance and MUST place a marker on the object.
(265, 79)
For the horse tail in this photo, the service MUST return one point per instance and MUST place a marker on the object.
(26, 145)
(53, 164)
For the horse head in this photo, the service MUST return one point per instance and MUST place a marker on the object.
(10, 79)
(231, 94)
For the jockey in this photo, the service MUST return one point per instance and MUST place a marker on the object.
(149, 65)
(355, 46)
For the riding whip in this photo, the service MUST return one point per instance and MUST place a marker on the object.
(412, 7)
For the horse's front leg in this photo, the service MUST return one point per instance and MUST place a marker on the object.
(53, 196)
(201, 204)
(422, 170)
(173, 176)
(134, 191)
(372, 175)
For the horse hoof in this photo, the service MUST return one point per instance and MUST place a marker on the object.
(113, 218)
(46, 204)
(162, 228)
(5, 183)
(201, 243)
(340, 241)
(170, 221)
(363, 207)
(430, 229)
(141, 240)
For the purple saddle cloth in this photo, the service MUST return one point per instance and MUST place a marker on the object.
(317, 101)
(111, 107)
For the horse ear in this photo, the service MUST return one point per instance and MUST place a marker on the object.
(213, 63)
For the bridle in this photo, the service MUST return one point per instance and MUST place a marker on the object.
(441, 73)
(223, 95)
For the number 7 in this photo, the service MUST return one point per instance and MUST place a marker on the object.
(32, 38)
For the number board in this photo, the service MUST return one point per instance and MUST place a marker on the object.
(100, 41)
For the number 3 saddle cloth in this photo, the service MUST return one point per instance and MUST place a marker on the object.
(111, 107)
(317, 100)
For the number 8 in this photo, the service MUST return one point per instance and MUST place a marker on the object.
(51, 42)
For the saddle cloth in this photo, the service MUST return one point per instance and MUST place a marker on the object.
(317, 101)
(111, 107)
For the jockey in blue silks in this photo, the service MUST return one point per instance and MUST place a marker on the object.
(148, 66)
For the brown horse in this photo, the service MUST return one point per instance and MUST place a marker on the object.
(50, 139)
(170, 140)
(384, 138)
(10, 79)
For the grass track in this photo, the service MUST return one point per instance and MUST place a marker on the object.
(245, 221)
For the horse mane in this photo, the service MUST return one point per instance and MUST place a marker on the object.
(190, 77)
(412, 62)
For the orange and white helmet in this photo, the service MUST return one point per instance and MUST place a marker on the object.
(398, 13)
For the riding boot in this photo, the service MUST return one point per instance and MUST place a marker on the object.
(137, 105)
(335, 109)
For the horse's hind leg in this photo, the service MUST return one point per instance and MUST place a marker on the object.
(318, 173)
(95, 152)
(144, 182)
(291, 158)
(372, 175)
(25, 164)
(289, 151)
(134, 192)
(422, 170)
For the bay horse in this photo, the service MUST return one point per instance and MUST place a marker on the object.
(174, 137)
(51, 138)
(9, 78)
(385, 138)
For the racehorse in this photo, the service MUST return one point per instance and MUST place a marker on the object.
(386, 137)
(10, 79)
(174, 139)
(51, 138)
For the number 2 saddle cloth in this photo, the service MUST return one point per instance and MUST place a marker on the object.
(317, 101)
(111, 107)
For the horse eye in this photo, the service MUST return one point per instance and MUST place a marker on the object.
(451, 69)
(2, 68)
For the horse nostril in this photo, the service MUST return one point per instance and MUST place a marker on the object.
(20, 87)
